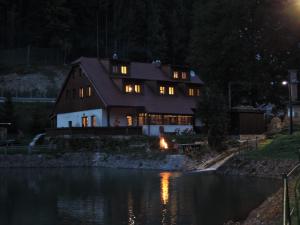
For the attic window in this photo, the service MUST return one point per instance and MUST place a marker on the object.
(124, 70)
(175, 75)
(81, 93)
(89, 91)
(183, 75)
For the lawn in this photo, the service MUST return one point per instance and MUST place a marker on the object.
(281, 146)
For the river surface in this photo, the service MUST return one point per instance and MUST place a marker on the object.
(115, 197)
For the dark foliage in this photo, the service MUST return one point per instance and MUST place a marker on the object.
(213, 111)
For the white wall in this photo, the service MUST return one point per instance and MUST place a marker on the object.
(154, 129)
(76, 118)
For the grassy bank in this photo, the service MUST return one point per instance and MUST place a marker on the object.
(280, 146)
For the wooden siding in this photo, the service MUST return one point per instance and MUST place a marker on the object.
(71, 102)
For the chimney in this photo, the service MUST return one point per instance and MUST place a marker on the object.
(157, 63)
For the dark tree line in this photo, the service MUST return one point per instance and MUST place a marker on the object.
(254, 41)
(135, 29)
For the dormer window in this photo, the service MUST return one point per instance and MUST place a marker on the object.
(193, 91)
(171, 90)
(162, 90)
(124, 70)
(175, 75)
(180, 74)
(115, 69)
(166, 90)
(133, 88)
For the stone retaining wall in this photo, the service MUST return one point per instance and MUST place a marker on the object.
(169, 162)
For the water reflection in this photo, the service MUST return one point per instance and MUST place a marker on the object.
(164, 187)
(131, 216)
(114, 197)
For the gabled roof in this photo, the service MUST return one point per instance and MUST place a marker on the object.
(152, 102)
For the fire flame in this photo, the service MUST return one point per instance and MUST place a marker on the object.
(163, 144)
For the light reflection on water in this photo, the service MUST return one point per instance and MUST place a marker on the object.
(116, 197)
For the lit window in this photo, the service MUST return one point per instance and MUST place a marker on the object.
(162, 90)
(89, 91)
(171, 90)
(93, 121)
(129, 121)
(175, 75)
(81, 93)
(137, 88)
(85, 121)
(123, 69)
(191, 92)
(115, 69)
(128, 88)
(198, 92)
(183, 75)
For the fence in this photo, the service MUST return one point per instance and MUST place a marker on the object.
(31, 55)
(291, 196)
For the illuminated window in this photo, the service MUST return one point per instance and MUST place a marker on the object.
(197, 92)
(128, 88)
(124, 70)
(129, 121)
(84, 121)
(137, 88)
(115, 69)
(93, 121)
(171, 90)
(162, 90)
(183, 75)
(191, 92)
(81, 93)
(141, 119)
(89, 90)
(175, 75)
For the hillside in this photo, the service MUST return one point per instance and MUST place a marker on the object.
(32, 81)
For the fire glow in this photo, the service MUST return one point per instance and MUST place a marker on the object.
(163, 144)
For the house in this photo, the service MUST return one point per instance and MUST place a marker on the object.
(117, 93)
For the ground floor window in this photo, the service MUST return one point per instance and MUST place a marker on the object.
(93, 121)
(159, 119)
(84, 121)
(129, 121)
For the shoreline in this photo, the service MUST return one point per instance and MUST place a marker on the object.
(96, 159)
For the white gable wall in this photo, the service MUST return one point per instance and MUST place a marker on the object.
(76, 118)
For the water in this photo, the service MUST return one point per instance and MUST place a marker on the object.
(115, 197)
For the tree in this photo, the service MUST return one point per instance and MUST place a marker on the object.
(212, 110)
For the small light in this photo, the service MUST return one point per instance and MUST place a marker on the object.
(284, 82)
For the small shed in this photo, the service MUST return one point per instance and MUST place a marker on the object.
(247, 120)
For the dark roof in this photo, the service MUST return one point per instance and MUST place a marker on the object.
(153, 103)
(246, 109)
